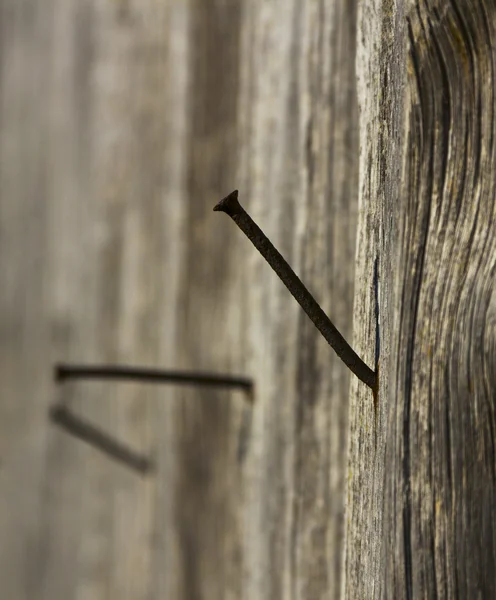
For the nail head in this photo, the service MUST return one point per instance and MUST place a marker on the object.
(229, 204)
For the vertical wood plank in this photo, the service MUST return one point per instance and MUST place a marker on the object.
(208, 487)
(380, 76)
(422, 469)
(298, 173)
(130, 120)
(442, 453)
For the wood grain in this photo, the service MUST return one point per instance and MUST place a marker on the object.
(122, 123)
(298, 179)
(422, 524)
(448, 367)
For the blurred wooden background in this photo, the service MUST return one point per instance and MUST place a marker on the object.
(122, 123)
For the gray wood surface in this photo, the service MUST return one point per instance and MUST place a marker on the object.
(422, 473)
(121, 124)
(380, 90)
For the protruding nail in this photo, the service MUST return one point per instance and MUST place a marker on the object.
(231, 206)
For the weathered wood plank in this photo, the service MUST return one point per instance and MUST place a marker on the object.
(81, 283)
(422, 486)
(298, 180)
(35, 305)
(447, 372)
(380, 72)
(208, 491)
(122, 124)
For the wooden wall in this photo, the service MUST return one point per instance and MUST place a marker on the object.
(122, 122)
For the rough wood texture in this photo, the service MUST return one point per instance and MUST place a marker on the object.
(380, 59)
(422, 487)
(121, 124)
(298, 180)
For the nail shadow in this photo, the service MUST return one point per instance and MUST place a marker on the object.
(94, 436)
(63, 372)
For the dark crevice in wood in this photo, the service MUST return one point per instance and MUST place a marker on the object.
(377, 315)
